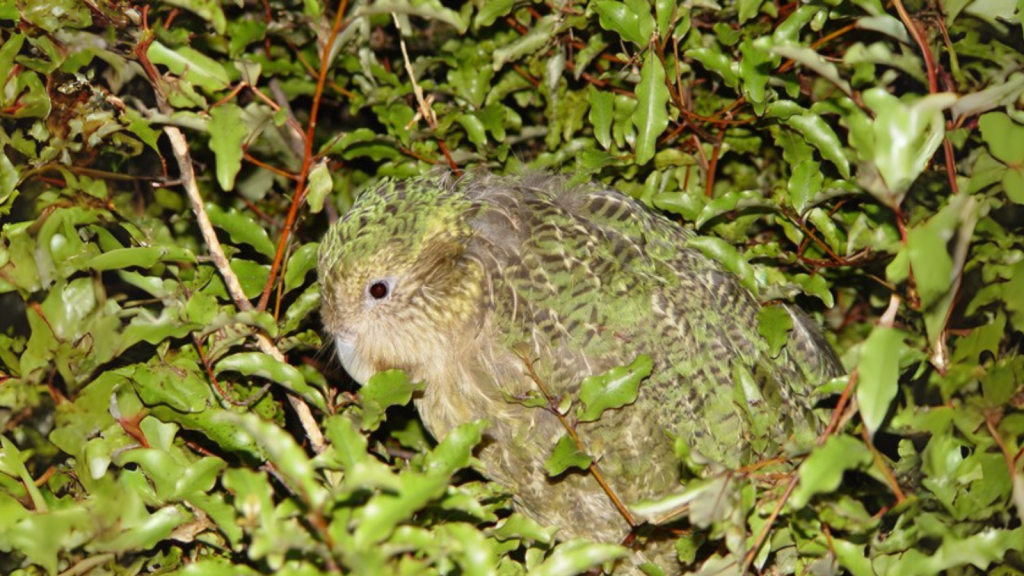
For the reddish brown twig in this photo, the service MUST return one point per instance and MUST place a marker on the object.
(299, 195)
(594, 471)
(933, 82)
(709, 185)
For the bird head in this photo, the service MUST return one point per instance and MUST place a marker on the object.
(397, 289)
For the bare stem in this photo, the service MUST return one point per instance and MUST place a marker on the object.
(188, 180)
(299, 196)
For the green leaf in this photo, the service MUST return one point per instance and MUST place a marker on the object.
(242, 229)
(142, 257)
(266, 366)
(724, 253)
(577, 557)
(822, 471)
(774, 324)
(429, 9)
(748, 9)
(474, 129)
(566, 455)
(804, 183)
(477, 554)
(878, 374)
(214, 505)
(651, 114)
(719, 63)
(301, 308)
(10, 49)
(689, 206)
(997, 95)
(1003, 135)
(52, 15)
(601, 115)
(519, 526)
(190, 64)
(216, 566)
(852, 557)
(1013, 183)
(9, 177)
(931, 262)
(300, 263)
(320, 184)
(178, 385)
(227, 133)
(12, 463)
(615, 388)
(980, 550)
(790, 28)
(827, 228)
(730, 201)
(903, 139)
(811, 59)
(170, 478)
(491, 11)
(755, 68)
(209, 10)
(455, 450)
(665, 11)
(289, 459)
(144, 532)
(623, 20)
(383, 390)
(542, 32)
(886, 24)
(820, 134)
(348, 445)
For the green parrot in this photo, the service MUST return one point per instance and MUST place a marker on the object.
(469, 284)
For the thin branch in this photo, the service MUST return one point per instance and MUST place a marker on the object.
(883, 467)
(299, 195)
(272, 169)
(940, 350)
(709, 185)
(844, 398)
(188, 181)
(424, 104)
(426, 110)
(1011, 467)
(933, 83)
(594, 471)
(763, 534)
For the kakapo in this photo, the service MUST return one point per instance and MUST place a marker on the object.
(470, 284)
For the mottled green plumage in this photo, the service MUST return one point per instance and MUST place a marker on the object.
(582, 279)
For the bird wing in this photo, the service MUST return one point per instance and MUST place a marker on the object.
(587, 279)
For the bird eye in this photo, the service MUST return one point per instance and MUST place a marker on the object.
(379, 290)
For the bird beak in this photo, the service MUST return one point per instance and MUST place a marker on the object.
(345, 344)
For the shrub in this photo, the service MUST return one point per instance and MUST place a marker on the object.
(166, 170)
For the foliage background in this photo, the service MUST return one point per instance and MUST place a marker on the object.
(864, 159)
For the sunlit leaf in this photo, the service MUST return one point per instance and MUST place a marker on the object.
(383, 390)
(189, 63)
(613, 389)
(822, 471)
(566, 455)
